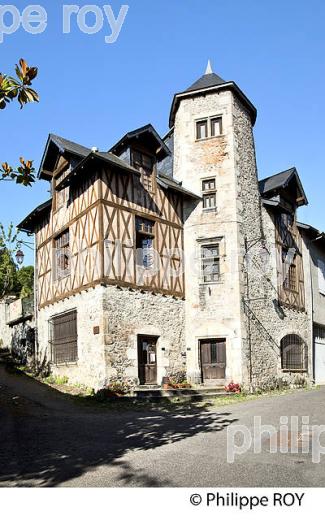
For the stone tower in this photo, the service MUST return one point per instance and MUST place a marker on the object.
(214, 155)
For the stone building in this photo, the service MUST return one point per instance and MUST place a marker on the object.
(166, 255)
(17, 327)
(315, 244)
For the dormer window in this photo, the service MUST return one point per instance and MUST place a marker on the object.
(60, 196)
(144, 163)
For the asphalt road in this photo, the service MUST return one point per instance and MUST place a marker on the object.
(47, 440)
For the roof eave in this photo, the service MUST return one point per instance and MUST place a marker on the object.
(138, 131)
(230, 85)
(42, 208)
(93, 155)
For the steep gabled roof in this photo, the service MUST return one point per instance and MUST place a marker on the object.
(281, 181)
(28, 223)
(165, 181)
(136, 134)
(56, 144)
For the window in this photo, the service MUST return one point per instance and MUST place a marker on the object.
(144, 164)
(210, 261)
(64, 338)
(293, 353)
(209, 194)
(144, 242)
(62, 255)
(287, 220)
(209, 127)
(202, 129)
(216, 126)
(60, 196)
(319, 333)
(289, 267)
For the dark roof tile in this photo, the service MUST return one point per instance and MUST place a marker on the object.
(206, 81)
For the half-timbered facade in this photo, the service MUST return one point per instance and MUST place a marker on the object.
(165, 255)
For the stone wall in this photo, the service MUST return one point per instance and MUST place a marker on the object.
(90, 369)
(212, 310)
(121, 315)
(17, 335)
(129, 314)
(265, 322)
(317, 253)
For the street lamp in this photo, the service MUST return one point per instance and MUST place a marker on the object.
(20, 257)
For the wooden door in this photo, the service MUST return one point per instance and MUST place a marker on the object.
(213, 359)
(147, 356)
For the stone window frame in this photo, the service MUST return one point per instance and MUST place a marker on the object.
(206, 242)
(209, 192)
(209, 125)
(293, 340)
(72, 357)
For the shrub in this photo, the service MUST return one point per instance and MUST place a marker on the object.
(56, 380)
(233, 388)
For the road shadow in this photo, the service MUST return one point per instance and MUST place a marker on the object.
(43, 446)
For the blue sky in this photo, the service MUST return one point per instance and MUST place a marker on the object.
(93, 92)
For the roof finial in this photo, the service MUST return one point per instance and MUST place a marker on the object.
(209, 68)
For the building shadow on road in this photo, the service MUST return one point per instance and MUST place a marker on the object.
(41, 445)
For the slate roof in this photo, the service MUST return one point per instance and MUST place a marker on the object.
(169, 182)
(314, 233)
(136, 133)
(206, 81)
(69, 146)
(28, 223)
(280, 180)
(166, 181)
(211, 82)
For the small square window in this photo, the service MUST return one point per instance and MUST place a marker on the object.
(209, 201)
(202, 129)
(216, 126)
(209, 184)
(209, 193)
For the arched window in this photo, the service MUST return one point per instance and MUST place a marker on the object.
(293, 353)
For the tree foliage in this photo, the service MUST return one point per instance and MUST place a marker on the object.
(25, 281)
(13, 281)
(18, 88)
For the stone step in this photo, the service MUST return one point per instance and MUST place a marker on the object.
(179, 392)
